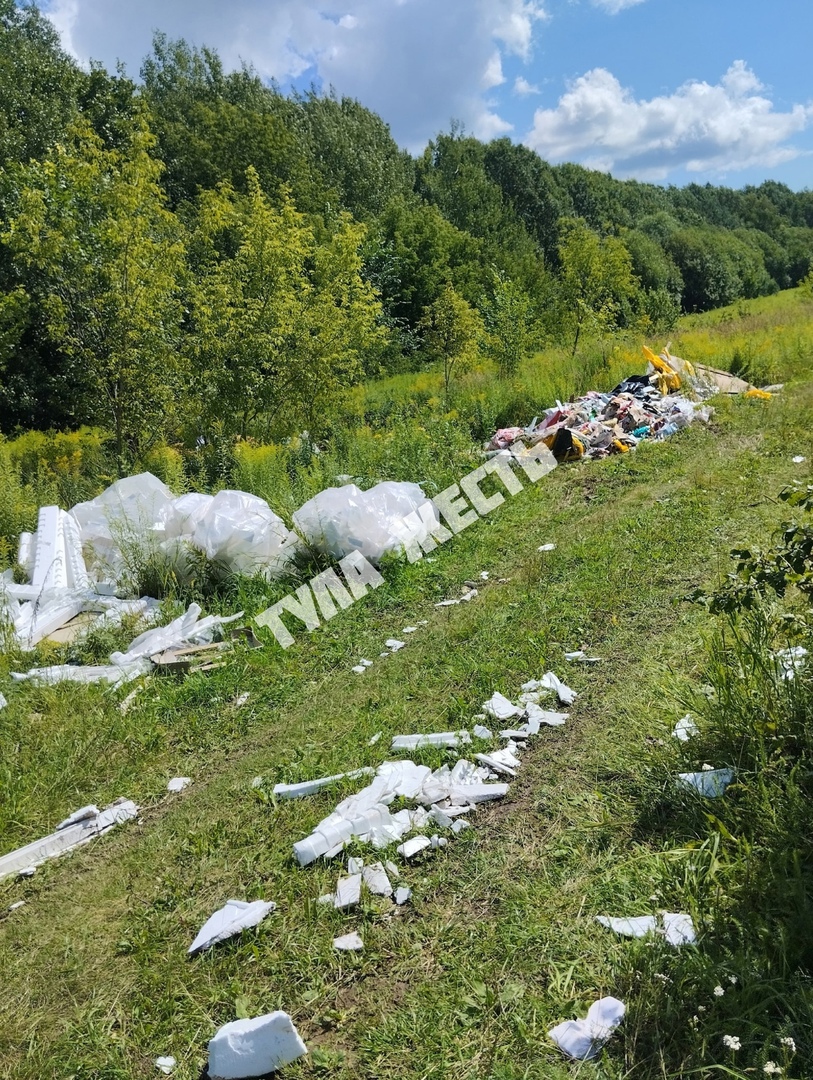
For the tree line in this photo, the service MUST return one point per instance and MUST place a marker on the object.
(198, 248)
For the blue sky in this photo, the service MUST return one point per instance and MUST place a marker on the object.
(671, 91)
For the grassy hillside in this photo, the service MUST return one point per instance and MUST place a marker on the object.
(499, 941)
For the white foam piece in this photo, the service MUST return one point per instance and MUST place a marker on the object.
(254, 1047)
(437, 738)
(413, 847)
(491, 763)
(500, 708)
(348, 942)
(637, 927)
(402, 894)
(563, 692)
(711, 783)
(348, 892)
(308, 787)
(685, 728)
(481, 732)
(584, 1039)
(178, 783)
(49, 570)
(393, 644)
(165, 1064)
(234, 917)
(375, 878)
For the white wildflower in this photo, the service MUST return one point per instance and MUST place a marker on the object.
(718, 991)
(701, 1008)
(788, 1042)
(772, 1069)
(661, 977)
(732, 979)
(731, 1041)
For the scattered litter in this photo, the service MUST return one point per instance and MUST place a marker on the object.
(564, 693)
(3, 701)
(359, 669)
(500, 708)
(128, 701)
(447, 603)
(685, 728)
(375, 738)
(178, 783)
(798, 460)
(584, 1039)
(67, 836)
(581, 656)
(254, 1047)
(115, 674)
(710, 783)
(438, 738)
(83, 814)
(438, 841)
(348, 892)
(481, 732)
(678, 929)
(375, 878)
(402, 895)
(165, 1064)
(348, 943)
(490, 762)
(790, 660)
(458, 826)
(414, 846)
(546, 547)
(240, 701)
(484, 575)
(343, 519)
(392, 869)
(409, 629)
(354, 865)
(393, 644)
(470, 595)
(234, 917)
(308, 787)
(16, 904)
(536, 717)
(366, 663)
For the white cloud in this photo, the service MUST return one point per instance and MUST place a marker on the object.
(418, 63)
(613, 7)
(700, 127)
(523, 88)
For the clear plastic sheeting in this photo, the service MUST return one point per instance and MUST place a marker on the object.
(343, 519)
(139, 517)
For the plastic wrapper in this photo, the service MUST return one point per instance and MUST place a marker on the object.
(243, 534)
(343, 519)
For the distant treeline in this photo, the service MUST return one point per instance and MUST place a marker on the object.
(198, 248)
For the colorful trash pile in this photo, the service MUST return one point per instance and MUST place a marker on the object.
(669, 397)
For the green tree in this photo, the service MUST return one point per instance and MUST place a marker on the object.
(596, 285)
(451, 330)
(508, 317)
(103, 256)
(279, 320)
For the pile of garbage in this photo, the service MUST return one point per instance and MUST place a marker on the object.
(83, 560)
(669, 397)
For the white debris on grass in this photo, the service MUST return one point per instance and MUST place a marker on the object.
(348, 943)
(685, 728)
(234, 917)
(308, 787)
(240, 701)
(481, 732)
(470, 595)
(3, 701)
(584, 1039)
(354, 865)
(393, 644)
(790, 660)
(115, 674)
(375, 878)
(500, 708)
(359, 669)
(798, 459)
(254, 1047)
(710, 783)
(546, 547)
(580, 656)
(402, 894)
(447, 603)
(348, 892)
(165, 1064)
(460, 825)
(409, 629)
(67, 836)
(677, 928)
(563, 692)
(375, 738)
(437, 738)
(178, 783)
(412, 847)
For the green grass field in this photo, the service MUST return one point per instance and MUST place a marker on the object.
(499, 942)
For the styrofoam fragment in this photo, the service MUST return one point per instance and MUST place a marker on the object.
(546, 547)
(402, 895)
(49, 555)
(437, 738)
(240, 701)
(500, 707)
(678, 928)
(563, 692)
(392, 870)
(375, 878)
(711, 784)
(375, 738)
(24, 860)
(636, 927)
(409, 629)
(470, 595)
(412, 847)
(16, 904)
(460, 825)
(438, 841)
(348, 891)
(584, 1039)
(348, 943)
(447, 603)
(82, 814)
(354, 865)
(178, 783)
(165, 1064)
(358, 669)
(327, 898)
(366, 663)
(440, 817)
(254, 1047)
(484, 575)
(308, 787)
(393, 644)
(489, 761)
(535, 717)
(580, 656)
(685, 728)
(114, 674)
(514, 733)
(234, 917)
(481, 732)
